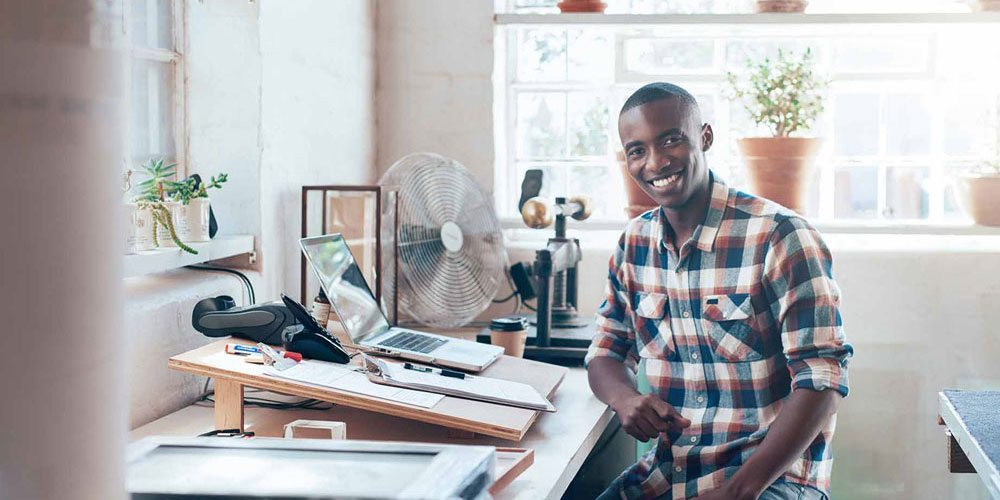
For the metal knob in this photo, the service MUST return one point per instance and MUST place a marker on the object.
(583, 212)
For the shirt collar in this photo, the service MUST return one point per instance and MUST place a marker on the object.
(706, 232)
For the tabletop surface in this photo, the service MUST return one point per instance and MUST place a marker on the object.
(973, 417)
(561, 441)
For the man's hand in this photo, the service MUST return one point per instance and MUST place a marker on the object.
(645, 416)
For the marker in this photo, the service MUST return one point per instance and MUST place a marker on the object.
(442, 372)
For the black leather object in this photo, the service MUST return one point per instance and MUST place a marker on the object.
(218, 317)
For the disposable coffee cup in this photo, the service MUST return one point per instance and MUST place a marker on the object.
(511, 333)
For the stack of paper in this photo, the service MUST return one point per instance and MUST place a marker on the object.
(334, 376)
(493, 390)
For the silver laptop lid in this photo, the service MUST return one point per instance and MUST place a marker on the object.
(338, 274)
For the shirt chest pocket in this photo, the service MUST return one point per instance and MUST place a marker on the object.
(653, 335)
(727, 322)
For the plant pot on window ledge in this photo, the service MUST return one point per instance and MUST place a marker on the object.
(780, 6)
(987, 5)
(978, 195)
(582, 6)
(780, 168)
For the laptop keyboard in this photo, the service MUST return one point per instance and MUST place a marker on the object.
(412, 342)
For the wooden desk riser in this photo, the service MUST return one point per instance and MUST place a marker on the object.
(232, 374)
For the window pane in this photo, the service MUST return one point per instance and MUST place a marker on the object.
(856, 124)
(600, 183)
(588, 124)
(541, 55)
(907, 193)
(652, 56)
(541, 125)
(908, 124)
(964, 131)
(855, 192)
(881, 55)
(151, 24)
(151, 110)
(591, 56)
(738, 51)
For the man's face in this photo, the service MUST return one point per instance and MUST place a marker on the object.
(665, 150)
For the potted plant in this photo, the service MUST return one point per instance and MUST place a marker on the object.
(979, 189)
(193, 212)
(152, 199)
(780, 6)
(785, 95)
(568, 6)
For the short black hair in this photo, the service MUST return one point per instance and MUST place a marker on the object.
(657, 91)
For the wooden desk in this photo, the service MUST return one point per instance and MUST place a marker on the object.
(232, 374)
(973, 429)
(561, 441)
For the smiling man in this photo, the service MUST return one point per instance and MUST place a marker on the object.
(728, 301)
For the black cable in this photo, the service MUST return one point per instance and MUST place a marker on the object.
(246, 281)
(304, 404)
(505, 299)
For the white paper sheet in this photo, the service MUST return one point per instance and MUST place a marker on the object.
(487, 388)
(334, 376)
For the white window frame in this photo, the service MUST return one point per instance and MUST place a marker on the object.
(506, 183)
(179, 102)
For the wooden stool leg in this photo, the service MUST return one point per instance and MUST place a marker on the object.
(228, 404)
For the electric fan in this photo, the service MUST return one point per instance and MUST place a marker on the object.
(451, 253)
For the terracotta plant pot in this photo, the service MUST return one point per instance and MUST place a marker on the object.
(780, 168)
(582, 6)
(987, 5)
(781, 6)
(637, 200)
(980, 196)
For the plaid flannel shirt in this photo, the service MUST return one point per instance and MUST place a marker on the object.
(748, 312)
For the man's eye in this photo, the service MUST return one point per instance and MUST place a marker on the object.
(635, 153)
(671, 140)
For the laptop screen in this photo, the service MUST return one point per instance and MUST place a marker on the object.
(338, 274)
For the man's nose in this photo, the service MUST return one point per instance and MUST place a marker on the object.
(659, 159)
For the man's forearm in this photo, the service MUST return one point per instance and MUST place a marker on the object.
(803, 416)
(609, 380)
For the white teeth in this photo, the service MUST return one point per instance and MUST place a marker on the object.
(667, 180)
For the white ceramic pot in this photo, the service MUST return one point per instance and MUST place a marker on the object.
(140, 229)
(192, 221)
(162, 233)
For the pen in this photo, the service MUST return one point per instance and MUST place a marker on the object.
(442, 372)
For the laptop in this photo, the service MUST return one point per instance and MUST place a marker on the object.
(338, 273)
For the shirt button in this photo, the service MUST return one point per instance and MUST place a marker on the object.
(694, 355)
(686, 314)
(680, 269)
(678, 468)
(694, 439)
(701, 399)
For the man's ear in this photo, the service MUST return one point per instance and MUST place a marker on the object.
(707, 137)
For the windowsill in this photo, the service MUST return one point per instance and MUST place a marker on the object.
(841, 237)
(744, 19)
(165, 259)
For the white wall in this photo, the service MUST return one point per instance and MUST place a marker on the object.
(279, 94)
(434, 92)
(317, 116)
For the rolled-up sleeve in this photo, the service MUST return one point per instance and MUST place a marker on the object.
(615, 337)
(805, 300)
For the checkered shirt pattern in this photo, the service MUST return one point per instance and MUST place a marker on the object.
(746, 313)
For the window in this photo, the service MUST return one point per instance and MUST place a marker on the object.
(156, 111)
(909, 105)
